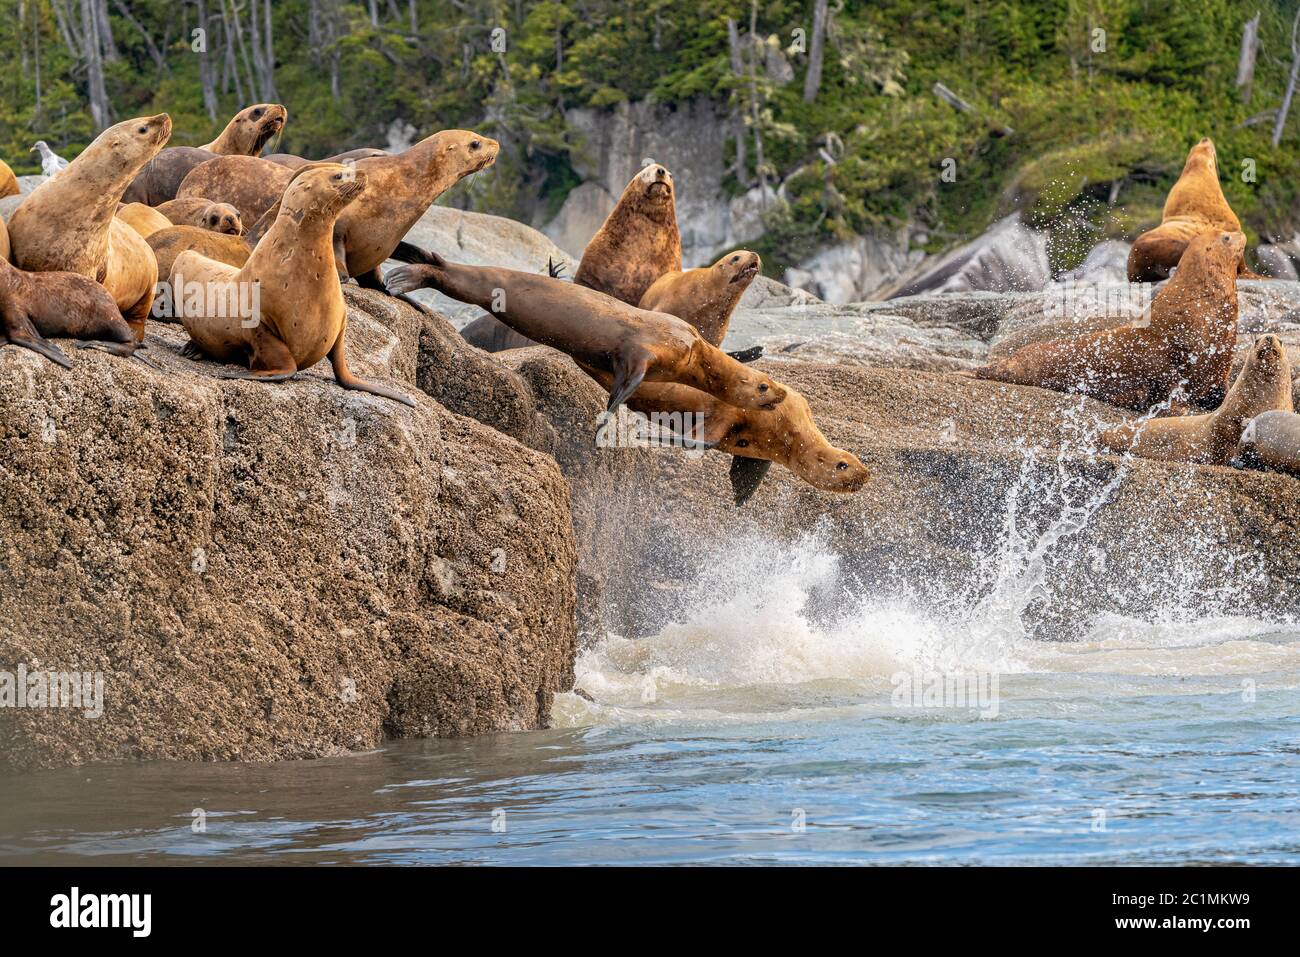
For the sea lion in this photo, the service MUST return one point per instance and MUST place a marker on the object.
(1188, 342)
(248, 130)
(1271, 440)
(69, 223)
(169, 243)
(705, 297)
(1194, 206)
(196, 211)
(597, 330)
(298, 162)
(302, 317)
(1264, 384)
(638, 242)
(8, 181)
(250, 184)
(145, 220)
(4, 241)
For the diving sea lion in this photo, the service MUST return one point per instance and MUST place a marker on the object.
(1194, 206)
(145, 220)
(169, 243)
(1272, 440)
(248, 130)
(69, 223)
(1264, 384)
(302, 317)
(8, 181)
(1188, 342)
(250, 184)
(638, 242)
(298, 162)
(37, 305)
(196, 211)
(597, 330)
(705, 297)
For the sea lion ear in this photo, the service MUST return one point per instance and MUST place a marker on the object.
(746, 476)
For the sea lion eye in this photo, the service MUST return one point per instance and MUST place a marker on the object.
(256, 114)
(143, 129)
(474, 145)
(743, 444)
(841, 466)
(735, 259)
(762, 387)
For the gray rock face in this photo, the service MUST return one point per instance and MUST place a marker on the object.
(853, 271)
(1009, 256)
(1275, 261)
(1106, 262)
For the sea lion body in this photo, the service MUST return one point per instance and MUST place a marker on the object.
(162, 177)
(69, 223)
(4, 241)
(596, 330)
(302, 317)
(298, 162)
(250, 184)
(638, 242)
(196, 211)
(1272, 440)
(1264, 384)
(493, 335)
(1188, 342)
(169, 243)
(705, 297)
(145, 220)
(8, 181)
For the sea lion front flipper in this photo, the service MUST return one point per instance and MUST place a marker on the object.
(747, 355)
(627, 378)
(746, 476)
(344, 377)
(42, 347)
(371, 280)
(405, 252)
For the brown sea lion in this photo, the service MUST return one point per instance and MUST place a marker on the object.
(301, 315)
(1271, 440)
(169, 243)
(249, 130)
(145, 220)
(638, 242)
(1194, 206)
(597, 330)
(37, 305)
(1264, 384)
(4, 241)
(196, 211)
(298, 162)
(250, 184)
(1188, 342)
(705, 297)
(8, 181)
(69, 223)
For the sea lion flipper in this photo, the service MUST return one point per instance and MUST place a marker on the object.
(344, 377)
(747, 355)
(746, 476)
(43, 347)
(555, 270)
(627, 377)
(405, 252)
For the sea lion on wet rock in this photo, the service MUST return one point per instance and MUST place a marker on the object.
(301, 315)
(705, 297)
(69, 223)
(8, 181)
(638, 242)
(1264, 384)
(1188, 342)
(250, 184)
(145, 220)
(203, 213)
(1195, 205)
(1271, 440)
(595, 329)
(249, 130)
(169, 243)
(298, 162)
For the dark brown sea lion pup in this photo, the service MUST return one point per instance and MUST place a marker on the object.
(302, 317)
(705, 297)
(145, 220)
(37, 305)
(69, 223)
(245, 135)
(1263, 385)
(638, 241)
(169, 243)
(1188, 342)
(250, 184)
(298, 162)
(8, 181)
(597, 330)
(1195, 205)
(203, 213)
(1271, 440)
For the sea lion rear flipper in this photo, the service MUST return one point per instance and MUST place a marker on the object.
(627, 377)
(370, 280)
(746, 476)
(747, 355)
(406, 252)
(43, 347)
(344, 377)
(554, 269)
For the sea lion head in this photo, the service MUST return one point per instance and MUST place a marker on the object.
(1213, 254)
(738, 267)
(651, 193)
(129, 145)
(789, 436)
(461, 152)
(252, 126)
(222, 218)
(1202, 156)
(1266, 375)
(322, 190)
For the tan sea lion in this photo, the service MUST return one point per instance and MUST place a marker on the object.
(298, 162)
(1194, 206)
(1188, 342)
(638, 242)
(250, 184)
(4, 241)
(169, 243)
(1272, 440)
(69, 223)
(196, 211)
(301, 317)
(597, 330)
(705, 297)
(1264, 384)
(8, 181)
(145, 220)
(249, 130)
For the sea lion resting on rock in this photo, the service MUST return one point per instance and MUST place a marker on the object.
(597, 330)
(69, 223)
(1188, 341)
(638, 242)
(302, 317)
(196, 211)
(1264, 384)
(145, 220)
(1195, 205)
(1272, 440)
(705, 297)
(8, 181)
(298, 162)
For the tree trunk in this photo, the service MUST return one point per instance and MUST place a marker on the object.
(737, 69)
(812, 80)
(1290, 83)
(100, 111)
(755, 112)
(155, 53)
(205, 66)
(105, 30)
(1246, 62)
(269, 94)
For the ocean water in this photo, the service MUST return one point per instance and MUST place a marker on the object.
(763, 729)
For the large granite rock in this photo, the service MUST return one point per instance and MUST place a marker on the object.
(1008, 256)
(272, 571)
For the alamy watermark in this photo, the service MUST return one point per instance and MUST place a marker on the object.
(22, 688)
(947, 690)
(176, 299)
(625, 429)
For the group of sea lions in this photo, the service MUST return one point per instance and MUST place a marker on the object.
(1175, 363)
